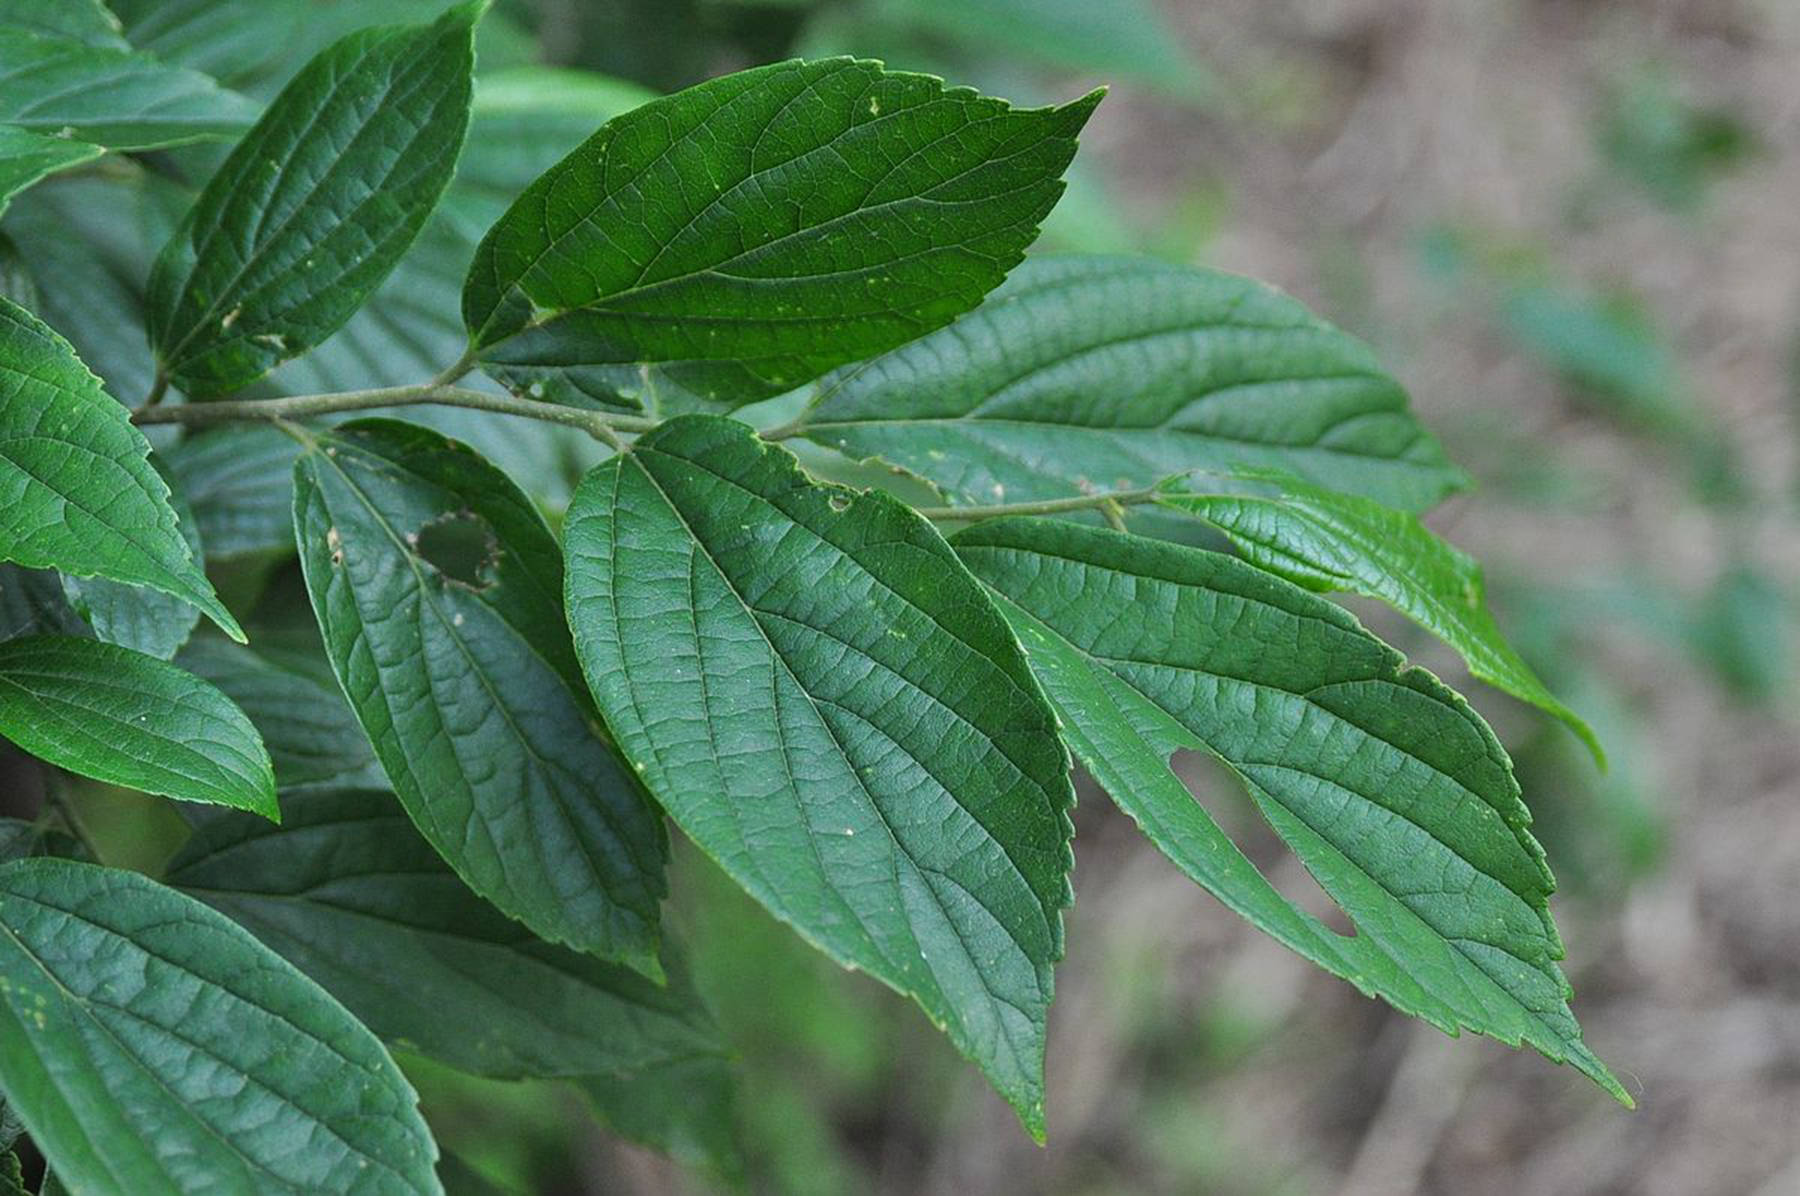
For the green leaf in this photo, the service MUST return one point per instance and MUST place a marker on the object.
(119, 716)
(1327, 541)
(686, 1109)
(1095, 372)
(123, 100)
(828, 705)
(748, 234)
(349, 892)
(1392, 792)
(144, 620)
(18, 840)
(151, 1046)
(239, 480)
(26, 157)
(437, 586)
(77, 491)
(84, 20)
(313, 739)
(315, 205)
(32, 602)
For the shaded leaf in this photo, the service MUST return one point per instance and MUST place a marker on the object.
(827, 704)
(119, 716)
(77, 491)
(748, 234)
(349, 892)
(315, 205)
(457, 663)
(313, 739)
(239, 480)
(113, 97)
(1086, 373)
(1323, 540)
(152, 1046)
(84, 20)
(1390, 790)
(26, 157)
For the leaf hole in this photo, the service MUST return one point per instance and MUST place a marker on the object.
(1237, 814)
(461, 547)
(839, 501)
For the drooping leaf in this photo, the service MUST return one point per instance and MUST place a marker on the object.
(1327, 541)
(84, 20)
(63, 87)
(1087, 373)
(350, 893)
(26, 157)
(134, 617)
(315, 205)
(313, 739)
(437, 587)
(746, 235)
(239, 480)
(151, 1046)
(77, 491)
(119, 716)
(1392, 792)
(827, 704)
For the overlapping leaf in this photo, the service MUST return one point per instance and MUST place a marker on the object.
(1391, 791)
(26, 157)
(458, 665)
(64, 87)
(315, 205)
(350, 893)
(152, 1046)
(84, 20)
(77, 491)
(1086, 373)
(746, 235)
(1324, 540)
(120, 716)
(825, 701)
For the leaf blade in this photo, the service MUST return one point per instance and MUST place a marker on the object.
(79, 492)
(467, 685)
(120, 716)
(1135, 370)
(26, 157)
(703, 224)
(861, 663)
(1323, 540)
(1391, 791)
(315, 205)
(135, 1019)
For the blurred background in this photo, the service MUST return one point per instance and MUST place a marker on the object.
(1572, 228)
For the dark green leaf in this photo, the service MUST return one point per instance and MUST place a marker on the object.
(77, 491)
(313, 739)
(1391, 791)
(437, 587)
(828, 705)
(119, 716)
(1089, 373)
(239, 480)
(64, 87)
(354, 897)
(151, 1046)
(18, 840)
(315, 205)
(1323, 540)
(32, 602)
(143, 620)
(748, 234)
(26, 157)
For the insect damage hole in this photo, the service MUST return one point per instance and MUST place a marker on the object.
(462, 547)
